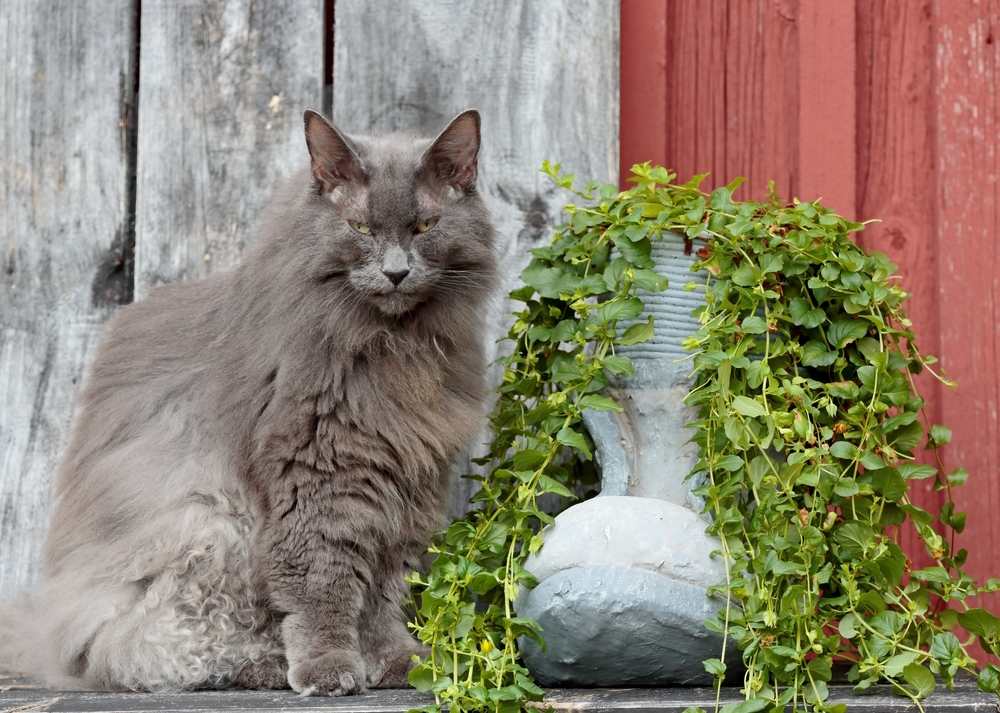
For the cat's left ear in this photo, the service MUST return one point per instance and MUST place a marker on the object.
(452, 157)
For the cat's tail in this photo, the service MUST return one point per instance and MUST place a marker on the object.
(21, 638)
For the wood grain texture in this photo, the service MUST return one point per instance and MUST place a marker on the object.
(65, 99)
(733, 93)
(643, 84)
(827, 104)
(896, 155)
(543, 73)
(966, 72)
(762, 90)
(964, 699)
(223, 87)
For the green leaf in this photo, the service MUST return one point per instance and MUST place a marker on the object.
(618, 365)
(495, 537)
(843, 389)
(816, 354)
(421, 677)
(980, 622)
(751, 706)
(754, 325)
(815, 693)
(894, 666)
(528, 459)
(958, 476)
(853, 538)
(620, 308)
(548, 281)
(714, 667)
(945, 647)
(771, 263)
(568, 437)
(649, 280)
(758, 468)
(730, 463)
(528, 685)
(599, 403)
(638, 333)
(821, 668)
(846, 487)
(888, 483)
(989, 679)
(932, 574)
(855, 304)
(636, 253)
(871, 461)
(744, 275)
(948, 618)
(907, 438)
(939, 436)
(844, 450)
(547, 484)
(920, 678)
(916, 471)
(804, 315)
(747, 407)
(845, 330)
(847, 626)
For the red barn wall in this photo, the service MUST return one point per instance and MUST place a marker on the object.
(884, 108)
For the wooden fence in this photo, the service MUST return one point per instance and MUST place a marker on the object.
(139, 144)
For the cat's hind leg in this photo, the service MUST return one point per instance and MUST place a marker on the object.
(182, 614)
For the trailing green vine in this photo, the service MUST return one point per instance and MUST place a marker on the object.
(808, 423)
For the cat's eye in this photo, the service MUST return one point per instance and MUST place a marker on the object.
(425, 225)
(361, 227)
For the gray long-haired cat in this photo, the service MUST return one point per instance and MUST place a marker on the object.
(260, 455)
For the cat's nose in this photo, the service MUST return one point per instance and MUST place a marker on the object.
(396, 276)
(395, 264)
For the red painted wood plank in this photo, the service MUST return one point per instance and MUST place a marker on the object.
(732, 84)
(643, 84)
(696, 110)
(897, 183)
(827, 104)
(762, 96)
(966, 73)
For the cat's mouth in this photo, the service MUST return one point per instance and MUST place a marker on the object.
(395, 302)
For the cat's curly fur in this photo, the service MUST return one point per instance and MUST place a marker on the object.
(260, 455)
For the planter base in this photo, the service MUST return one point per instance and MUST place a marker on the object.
(622, 596)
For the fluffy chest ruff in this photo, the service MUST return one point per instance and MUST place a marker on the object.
(380, 431)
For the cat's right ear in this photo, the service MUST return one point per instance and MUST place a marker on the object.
(334, 162)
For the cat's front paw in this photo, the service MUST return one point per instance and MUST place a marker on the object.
(335, 673)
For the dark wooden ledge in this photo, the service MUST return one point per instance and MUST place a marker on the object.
(21, 696)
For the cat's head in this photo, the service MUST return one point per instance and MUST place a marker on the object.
(402, 224)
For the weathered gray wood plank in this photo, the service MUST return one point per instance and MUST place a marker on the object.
(544, 74)
(223, 84)
(65, 99)
(964, 699)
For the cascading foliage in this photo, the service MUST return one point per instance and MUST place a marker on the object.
(809, 428)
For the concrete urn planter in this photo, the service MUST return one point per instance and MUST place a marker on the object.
(622, 577)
